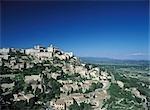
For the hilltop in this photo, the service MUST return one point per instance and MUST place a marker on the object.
(49, 78)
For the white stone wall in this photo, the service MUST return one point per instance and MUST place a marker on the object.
(43, 54)
(4, 50)
(30, 51)
(4, 57)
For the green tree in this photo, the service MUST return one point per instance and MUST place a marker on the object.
(19, 83)
(74, 106)
(82, 106)
(37, 91)
(94, 86)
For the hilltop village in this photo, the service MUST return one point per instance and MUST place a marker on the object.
(51, 79)
(59, 75)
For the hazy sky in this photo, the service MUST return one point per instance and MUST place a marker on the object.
(98, 29)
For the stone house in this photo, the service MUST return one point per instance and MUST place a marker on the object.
(58, 104)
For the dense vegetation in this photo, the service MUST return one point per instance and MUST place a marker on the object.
(94, 86)
(82, 106)
(52, 89)
(4, 70)
(121, 99)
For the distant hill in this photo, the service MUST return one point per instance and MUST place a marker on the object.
(109, 61)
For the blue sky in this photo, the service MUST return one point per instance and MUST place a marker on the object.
(95, 29)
